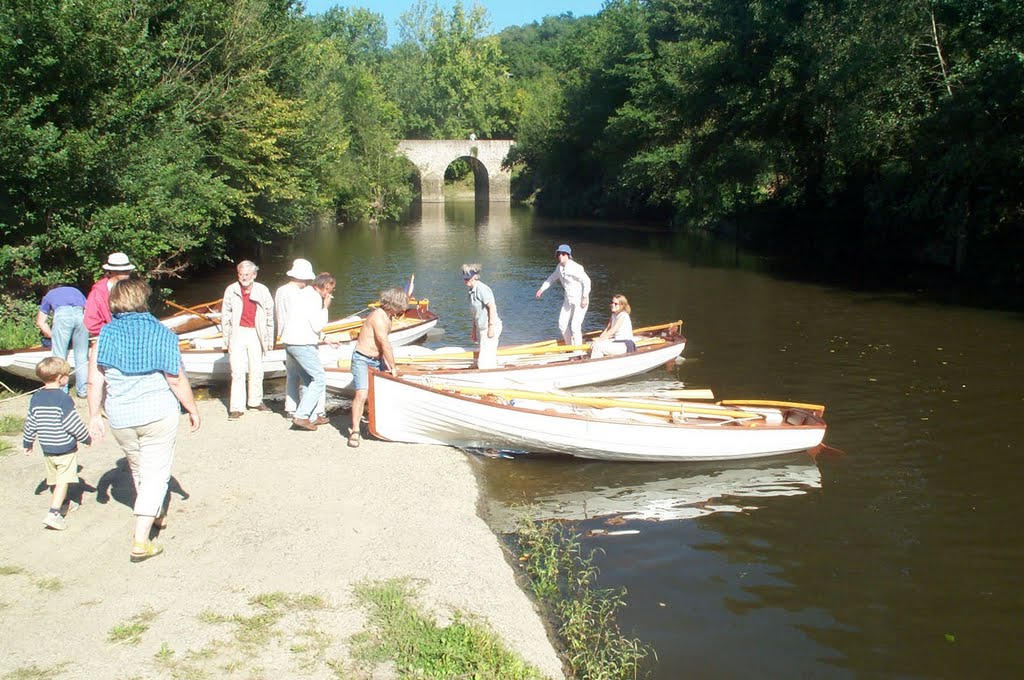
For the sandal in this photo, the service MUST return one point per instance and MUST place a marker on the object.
(353, 438)
(143, 551)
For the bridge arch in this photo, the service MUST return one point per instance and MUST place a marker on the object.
(433, 156)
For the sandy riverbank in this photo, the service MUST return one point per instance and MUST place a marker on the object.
(256, 509)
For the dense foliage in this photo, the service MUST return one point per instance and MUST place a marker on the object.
(185, 132)
(862, 133)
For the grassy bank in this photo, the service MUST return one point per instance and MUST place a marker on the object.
(418, 647)
(565, 581)
(296, 626)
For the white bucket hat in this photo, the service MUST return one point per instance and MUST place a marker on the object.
(302, 270)
(118, 262)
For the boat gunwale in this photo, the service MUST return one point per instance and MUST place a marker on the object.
(670, 342)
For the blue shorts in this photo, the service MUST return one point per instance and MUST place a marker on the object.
(361, 369)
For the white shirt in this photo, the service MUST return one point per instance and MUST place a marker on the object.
(625, 329)
(573, 278)
(301, 315)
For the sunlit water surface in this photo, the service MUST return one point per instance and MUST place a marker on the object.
(901, 558)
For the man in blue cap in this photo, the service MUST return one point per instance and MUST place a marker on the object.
(576, 283)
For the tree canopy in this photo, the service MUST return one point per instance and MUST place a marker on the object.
(184, 132)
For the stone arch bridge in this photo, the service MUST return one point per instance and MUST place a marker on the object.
(433, 156)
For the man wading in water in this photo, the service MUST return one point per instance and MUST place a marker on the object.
(374, 349)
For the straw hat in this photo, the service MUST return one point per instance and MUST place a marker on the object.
(118, 262)
(302, 270)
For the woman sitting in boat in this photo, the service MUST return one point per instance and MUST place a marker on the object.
(617, 336)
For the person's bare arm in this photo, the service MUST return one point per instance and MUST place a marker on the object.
(381, 328)
(94, 395)
(42, 325)
(183, 391)
(492, 315)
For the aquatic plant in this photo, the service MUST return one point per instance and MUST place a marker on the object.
(564, 579)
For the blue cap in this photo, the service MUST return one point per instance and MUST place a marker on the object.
(564, 249)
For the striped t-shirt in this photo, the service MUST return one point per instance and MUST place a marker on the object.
(53, 420)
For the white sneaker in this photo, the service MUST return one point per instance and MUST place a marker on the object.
(55, 521)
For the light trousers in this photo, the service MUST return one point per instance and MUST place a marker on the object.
(600, 348)
(570, 322)
(68, 331)
(150, 452)
(488, 357)
(293, 392)
(246, 357)
(304, 362)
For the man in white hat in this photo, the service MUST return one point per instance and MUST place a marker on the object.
(300, 315)
(97, 306)
(576, 283)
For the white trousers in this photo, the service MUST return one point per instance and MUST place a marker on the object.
(570, 322)
(600, 348)
(246, 357)
(150, 452)
(488, 357)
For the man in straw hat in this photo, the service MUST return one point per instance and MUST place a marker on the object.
(301, 314)
(97, 306)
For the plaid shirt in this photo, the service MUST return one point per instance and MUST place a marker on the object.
(135, 351)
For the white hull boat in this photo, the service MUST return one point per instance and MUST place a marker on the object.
(596, 428)
(191, 322)
(542, 365)
(205, 366)
(206, 361)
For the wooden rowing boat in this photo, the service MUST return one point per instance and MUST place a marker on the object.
(187, 322)
(206, 361)
(542, 365)
(429, 411)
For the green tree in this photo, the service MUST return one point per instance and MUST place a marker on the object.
(447, 78)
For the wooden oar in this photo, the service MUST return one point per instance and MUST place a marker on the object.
(193, 309)
(601, 402)
(675, 395)
(775, 404)
(645, 329)
(510, 351)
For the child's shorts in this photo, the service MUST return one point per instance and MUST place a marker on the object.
(62, 469)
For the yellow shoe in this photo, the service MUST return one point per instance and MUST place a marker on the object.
(143, 551)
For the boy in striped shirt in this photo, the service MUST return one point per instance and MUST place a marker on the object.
(52, 420)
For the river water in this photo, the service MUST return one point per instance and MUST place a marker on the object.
(900, 555)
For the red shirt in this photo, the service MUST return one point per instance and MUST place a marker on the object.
(97, 307)
(248, 319)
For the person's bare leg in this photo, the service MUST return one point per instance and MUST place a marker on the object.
(143, 525)
(60, 492)
(358, 403)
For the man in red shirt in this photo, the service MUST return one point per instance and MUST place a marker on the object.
(97, 305)
(247, 315)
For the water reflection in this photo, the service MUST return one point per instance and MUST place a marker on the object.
(554, 489)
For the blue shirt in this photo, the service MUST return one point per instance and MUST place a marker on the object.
(134, 400)
(62, 296)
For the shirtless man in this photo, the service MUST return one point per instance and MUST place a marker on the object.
(374, 349)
